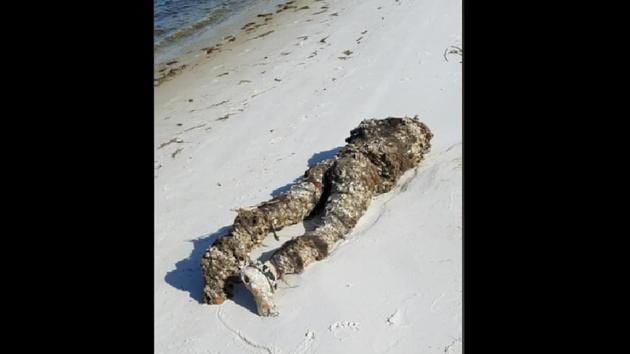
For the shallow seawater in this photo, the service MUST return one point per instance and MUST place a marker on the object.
(173, 19)
(180, 24)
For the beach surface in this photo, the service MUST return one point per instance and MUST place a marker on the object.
(239, 123)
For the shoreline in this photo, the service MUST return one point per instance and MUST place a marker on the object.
(239, 125)
(196, 46)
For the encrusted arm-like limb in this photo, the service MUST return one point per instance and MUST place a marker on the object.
(222, 262)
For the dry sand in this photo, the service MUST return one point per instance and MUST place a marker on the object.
(237, 126)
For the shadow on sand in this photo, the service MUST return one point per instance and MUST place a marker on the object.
(316, 158)
(187, 273)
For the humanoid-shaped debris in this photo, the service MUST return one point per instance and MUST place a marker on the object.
(377, 154)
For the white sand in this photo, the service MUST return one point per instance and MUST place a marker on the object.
(395, 285)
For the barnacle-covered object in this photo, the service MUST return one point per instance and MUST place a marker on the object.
(377, 153)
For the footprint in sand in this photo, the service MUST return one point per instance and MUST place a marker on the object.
(344, 329)
(306, 344)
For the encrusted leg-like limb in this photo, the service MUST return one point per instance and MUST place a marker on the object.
(354, 180)
(222, 262)
(378, 153)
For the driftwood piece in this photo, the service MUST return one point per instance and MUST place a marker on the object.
(377, 154)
